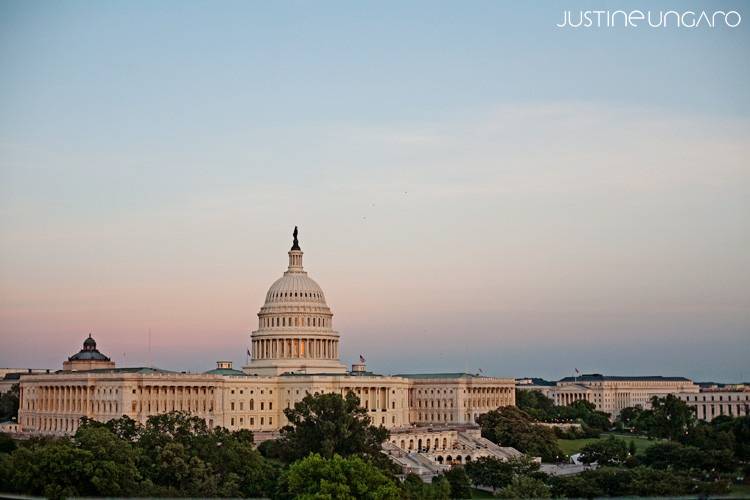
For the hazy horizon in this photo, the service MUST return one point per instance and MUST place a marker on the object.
(474, 187)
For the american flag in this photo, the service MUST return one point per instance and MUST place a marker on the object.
(361, 359)
(578, 371)
(248, 352)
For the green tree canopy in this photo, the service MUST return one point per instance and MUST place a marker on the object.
(510, 426)
(329, 424)
(9, 403)
(496, 473)
(336, 478)
(672, 418)
(525, 487)
(172, 455)
(610, 451)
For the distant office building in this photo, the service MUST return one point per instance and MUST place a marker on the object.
(610, 394)
(714, 401)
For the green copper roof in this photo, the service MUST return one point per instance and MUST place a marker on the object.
(133, 369)
(224, 371)
(436, 375)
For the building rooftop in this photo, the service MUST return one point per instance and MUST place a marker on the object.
(535, 381)
(598, 377)
(332, 374)
(437, 375)
(225, 371)
(132, 369)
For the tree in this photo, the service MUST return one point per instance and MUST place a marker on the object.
(174, 454)
(329, 424)
(9, 403)
(496, 473)
(575, 486)
(54, 469)
(629, 415)
(525, 487)
(741, 431)
(535, 404)
(7, 445)
(459, 482)
(489, 471)
(610, 451)
(509, 426)
(413, 488)
(671, 455)
(112, 470)
(672, 417)
(336, 478)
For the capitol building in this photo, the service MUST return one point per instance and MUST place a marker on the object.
(294, 352)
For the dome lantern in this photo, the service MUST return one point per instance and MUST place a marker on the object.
(295, 255)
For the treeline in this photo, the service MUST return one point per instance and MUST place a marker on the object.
(543, 409)
(9, 403)
(688, 456)
(328, 450)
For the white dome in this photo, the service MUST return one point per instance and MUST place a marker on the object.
(295, 326)
(295, 288)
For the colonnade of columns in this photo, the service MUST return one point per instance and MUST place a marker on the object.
(58, 408)
(489, 397)
(323, 321)
(567, 398)
(153, 399)
(62, 399)
(372, 398)
(292, 348)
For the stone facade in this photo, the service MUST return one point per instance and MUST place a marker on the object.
(711, 402)
(611, 394)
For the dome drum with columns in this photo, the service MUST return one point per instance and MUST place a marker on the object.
(295, 333)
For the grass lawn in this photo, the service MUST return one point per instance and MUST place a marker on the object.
(740, 491)
(571, 446)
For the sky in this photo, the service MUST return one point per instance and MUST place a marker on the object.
(474, 186)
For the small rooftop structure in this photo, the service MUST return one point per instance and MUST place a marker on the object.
(88, 358)
(224, 368)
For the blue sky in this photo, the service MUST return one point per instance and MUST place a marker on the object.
(498, 192)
